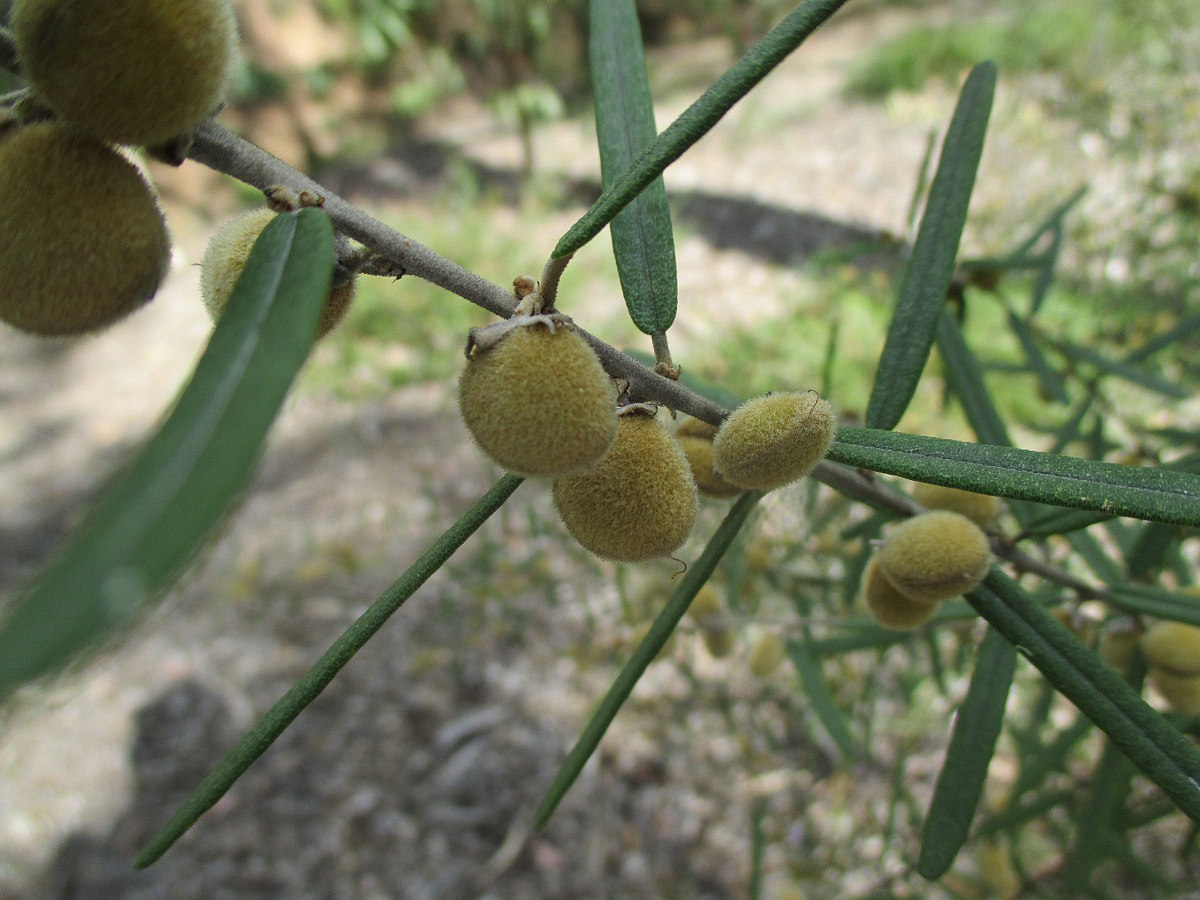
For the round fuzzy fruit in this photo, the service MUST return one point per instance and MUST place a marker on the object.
(638, 502)
(888, 606)
(706, 605)
(773, 440)
(695, 438)
(979, 508)
(935, 556)
(766, 654)
(537, 401)
(1182, 692)
(1173, 646)
(84, 240)
(129, 71)
(226, 257)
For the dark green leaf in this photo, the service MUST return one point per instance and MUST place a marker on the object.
(641, 233)
(922, 290)
(960, 783)
(1051, 382)
(699, 118)
(1151, 381)
(1155, 601)
(831, 716)
(154, 517)
(1154, 494)
(256, 741)
(1185, 327)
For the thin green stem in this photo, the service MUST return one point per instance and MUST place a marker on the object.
(255, 742)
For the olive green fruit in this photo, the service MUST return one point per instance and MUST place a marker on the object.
(719, 641)
(638, 502)
(935, 556)
(1117, 644)
(1173, 646)
(773, 440)
(766, 654)
(1182, 692)
(888, 606)
(130, 71)
(537, 400)
(695, 438)
(981, 509)
(84, 241)
(226, 257)
(706, 604)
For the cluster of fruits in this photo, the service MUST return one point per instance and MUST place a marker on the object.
(85, 242)
(931, 557)
(539, 403)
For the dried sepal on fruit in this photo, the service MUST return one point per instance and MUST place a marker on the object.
(226, 257)
(1173, 646)
(695, 437)
(85, 242)
(934, 556)
(773, 440)
(888, 606)
(535, 397)
(129, 71)
(1182, 692)
(638, 502)
(981, 509)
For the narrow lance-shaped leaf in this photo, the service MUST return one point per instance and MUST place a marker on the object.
(1135, 374)
(660, 632)
(256, 741)
(1051, 382)
(698, 119)
(158, 512)
(1154, 494)
(808, 667)
(922, 290)
(972, 744)
(641, 233)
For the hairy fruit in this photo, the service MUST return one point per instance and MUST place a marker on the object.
(129, 71)
(981, 509)
(773, 440)
(84, 243)
(1182, 692)
(935, 556)
(888, 606)
(695, 438)
(536, 399)
(638, 502)
(766, 654)
(226, 257)
(1173, 646)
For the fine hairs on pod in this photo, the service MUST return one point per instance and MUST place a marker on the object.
(773, 440)
(935, 556)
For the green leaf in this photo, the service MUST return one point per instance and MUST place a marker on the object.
(273, 723)
(641, 233)
(960, 783)
(832, 718)
(152, 518)
(698, 119)
(1051, 382)
(1177, 332)
(658, 635)
(1155, 601)
(1151, 381)
(922, 290)
(1154, 494)
(1163, 755)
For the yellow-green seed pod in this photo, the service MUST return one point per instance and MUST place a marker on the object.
(537, 400)
(1118, 642)
(705, 605)
(1182, 692)
(979, 508)
(129, 71)
(695, 438)
(84, 241)
(766, 654)
(226, 257)
(935, 556)
(773, 440)
(1173, 646)
(888, 606)
(638, 502)
(719, 641)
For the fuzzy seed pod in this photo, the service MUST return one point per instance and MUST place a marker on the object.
(695, 438)
(979, 508)
(536, 399)
(1182, 692)
(226, 257)
(935, 556)
(888, 606)
(638, 502)
(84, 240)
(128, 71)
(773, 440)
(1173, 646)
(766, 654)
